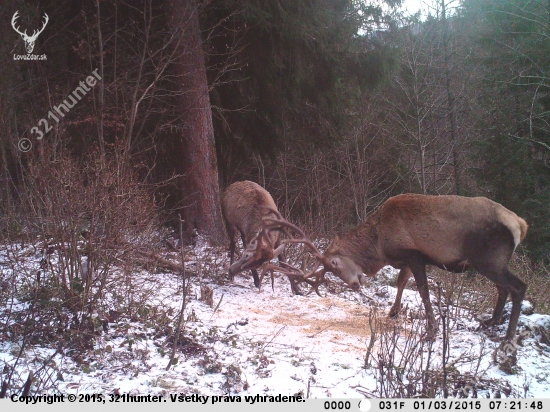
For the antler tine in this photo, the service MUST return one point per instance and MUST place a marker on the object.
(273, 211)
(287, 270)
(290, 268)
(37, 32)
(14, 21)
(280, 223)
(292, 273)
(46, 20)
(279, 220)
(315, 285)
(271, 223)
(312, 271)
(267, 268)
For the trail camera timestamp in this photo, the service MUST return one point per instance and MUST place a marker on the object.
(515, 405)
(464, 405)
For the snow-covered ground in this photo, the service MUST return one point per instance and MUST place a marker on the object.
(270, 342)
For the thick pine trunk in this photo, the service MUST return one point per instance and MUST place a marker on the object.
(199, 185)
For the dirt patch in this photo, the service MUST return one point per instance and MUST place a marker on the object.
(346, 317)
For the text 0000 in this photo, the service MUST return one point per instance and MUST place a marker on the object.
(337, 405)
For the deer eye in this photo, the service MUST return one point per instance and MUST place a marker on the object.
(334, 262)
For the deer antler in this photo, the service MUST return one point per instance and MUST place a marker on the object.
(280, 223)
(285, 269)
(37, 32)
(13, 22)
(292, 273)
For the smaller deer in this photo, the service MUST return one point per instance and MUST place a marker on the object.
(244, 206)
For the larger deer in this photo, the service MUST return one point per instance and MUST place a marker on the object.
(411, 231)
(244, 206)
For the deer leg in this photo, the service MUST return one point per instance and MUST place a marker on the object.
(231, 250)
(294, 287)
(517, 289)
(506, 282)
(499, 307)
(231, 234)
(419, 272)
(256, 277)
(404, 276)
(282, 255)
(294, 284)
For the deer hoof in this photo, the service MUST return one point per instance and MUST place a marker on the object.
(491, 322)
(297, 291)
(487, 323)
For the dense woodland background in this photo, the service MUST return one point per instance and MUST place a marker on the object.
(332, 105)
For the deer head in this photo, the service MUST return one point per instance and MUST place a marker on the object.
(29, 40)
(259, 250)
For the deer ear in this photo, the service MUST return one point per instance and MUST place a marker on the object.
(333, 247)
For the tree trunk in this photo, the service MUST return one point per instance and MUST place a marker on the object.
(199, 184)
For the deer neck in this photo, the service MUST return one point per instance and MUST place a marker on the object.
(363, 246)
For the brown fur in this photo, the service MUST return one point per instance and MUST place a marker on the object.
(242, 208)
(451, 232)
(244, 204)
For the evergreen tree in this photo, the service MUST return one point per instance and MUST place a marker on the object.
(514, 57)
(299, 68)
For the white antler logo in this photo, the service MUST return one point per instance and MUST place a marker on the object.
(29, 40)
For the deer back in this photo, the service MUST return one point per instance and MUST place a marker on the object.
(447, 229)
(243, 206)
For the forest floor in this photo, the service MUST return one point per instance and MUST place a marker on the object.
(270, 342)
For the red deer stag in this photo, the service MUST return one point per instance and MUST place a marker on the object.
(244, 205)
(411, 231)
